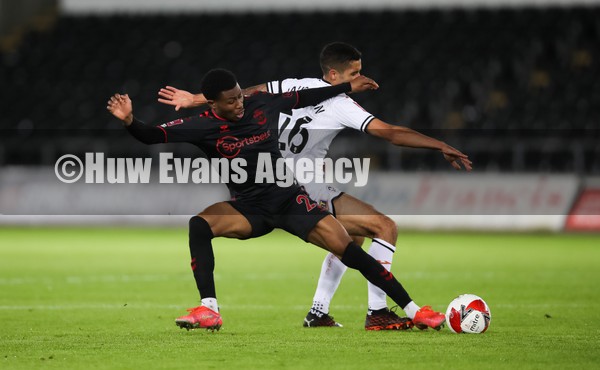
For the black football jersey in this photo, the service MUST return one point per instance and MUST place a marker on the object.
(255, 133)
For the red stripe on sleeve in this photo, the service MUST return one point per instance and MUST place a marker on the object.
(165, 132)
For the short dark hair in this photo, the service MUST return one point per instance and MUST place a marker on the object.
(216, 81)
(337, 55)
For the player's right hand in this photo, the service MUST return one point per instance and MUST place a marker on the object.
(455, 157)
(363, 83)
(120, 106)
(179, 98)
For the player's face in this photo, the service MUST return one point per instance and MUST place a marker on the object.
(351, 71)
(230, 104)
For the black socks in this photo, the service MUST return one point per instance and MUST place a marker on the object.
(203, 265)
(203, 258)
(354, 257)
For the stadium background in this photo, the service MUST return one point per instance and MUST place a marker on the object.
(515, 85)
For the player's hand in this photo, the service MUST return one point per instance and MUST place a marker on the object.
(456, 158)
(178, 98)
(120, 106)
(363, 83)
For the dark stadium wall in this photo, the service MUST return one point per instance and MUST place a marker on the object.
(515, 89)
(176, 6)
(15, 14)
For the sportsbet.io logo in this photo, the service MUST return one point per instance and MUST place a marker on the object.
(230, 146)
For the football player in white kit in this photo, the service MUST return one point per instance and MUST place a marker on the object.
(307, 133)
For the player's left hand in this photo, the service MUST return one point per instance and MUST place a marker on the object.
(456, 158)
(363, 83)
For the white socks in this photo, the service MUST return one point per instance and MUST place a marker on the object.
(383, 252)
(411, 309)
(333, 269)
(210, 303)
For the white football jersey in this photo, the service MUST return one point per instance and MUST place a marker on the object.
(308, 132)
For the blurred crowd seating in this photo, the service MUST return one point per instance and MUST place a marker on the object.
(517, 89)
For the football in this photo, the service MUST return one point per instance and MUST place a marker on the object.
(468, 313)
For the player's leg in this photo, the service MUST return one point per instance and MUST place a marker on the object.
(330, 235)
(360, 218)
(220, 219)
(365, 221)
(332, 269)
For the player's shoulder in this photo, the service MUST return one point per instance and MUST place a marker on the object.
(343, 101)
(295, 84)
(266, 95)
(262, 100)
(308, 82)
(258, 96)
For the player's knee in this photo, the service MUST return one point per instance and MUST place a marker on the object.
(199, 228)
(385, 228)
(359, 240)
(336, 245)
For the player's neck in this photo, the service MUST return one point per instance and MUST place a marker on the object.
(332, 83)
(217, 115)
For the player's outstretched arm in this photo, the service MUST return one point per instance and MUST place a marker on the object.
(121, 107)
(404, 136)
(310, 97)
(184, 99)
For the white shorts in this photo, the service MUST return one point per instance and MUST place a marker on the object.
(323, 194)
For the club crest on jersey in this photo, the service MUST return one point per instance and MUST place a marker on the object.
(259, 115)
(224, 128)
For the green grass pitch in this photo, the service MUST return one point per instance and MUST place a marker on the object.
(107, 299)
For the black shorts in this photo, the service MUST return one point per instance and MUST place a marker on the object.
(293, 211)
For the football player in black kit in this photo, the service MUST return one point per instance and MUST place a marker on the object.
(239, 127)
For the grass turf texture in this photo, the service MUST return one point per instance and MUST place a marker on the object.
(107, 298)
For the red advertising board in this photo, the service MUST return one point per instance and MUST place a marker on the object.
(585, 215)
